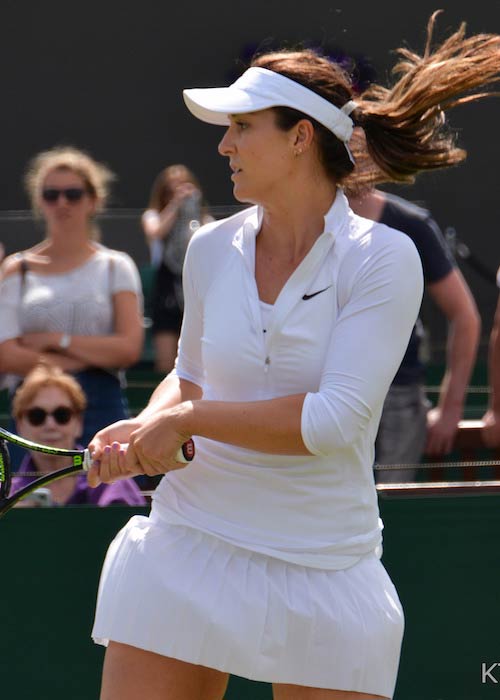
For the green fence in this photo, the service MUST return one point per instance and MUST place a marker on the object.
(442, 553)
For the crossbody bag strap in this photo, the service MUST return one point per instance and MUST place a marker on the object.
(23, 269)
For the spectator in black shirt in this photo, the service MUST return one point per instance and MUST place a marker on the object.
(409, 427)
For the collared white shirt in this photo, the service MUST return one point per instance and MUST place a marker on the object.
(337, 332)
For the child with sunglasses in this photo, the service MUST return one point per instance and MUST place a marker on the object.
(69, 300)
(48, 408)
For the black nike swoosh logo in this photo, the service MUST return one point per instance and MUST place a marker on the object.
(310, 296)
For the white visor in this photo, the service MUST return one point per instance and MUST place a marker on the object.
(259, 88)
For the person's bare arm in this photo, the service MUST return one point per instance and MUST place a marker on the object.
(120, 349)
(160, 227)
(169, 393)
(15, 358)
(491, 419)
(272, 426)
(454, 298)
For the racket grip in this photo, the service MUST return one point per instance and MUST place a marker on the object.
(185, 455)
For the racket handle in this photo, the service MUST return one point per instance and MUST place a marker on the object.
(185, 455)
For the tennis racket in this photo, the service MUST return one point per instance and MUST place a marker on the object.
(79, 460)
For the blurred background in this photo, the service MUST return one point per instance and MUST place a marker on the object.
(108, 77)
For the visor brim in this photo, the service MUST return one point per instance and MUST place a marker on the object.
(213, 105)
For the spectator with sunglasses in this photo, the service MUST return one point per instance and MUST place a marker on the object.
(69, 300)
(49, 407)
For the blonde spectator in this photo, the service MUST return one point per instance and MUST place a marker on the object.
(69, 300)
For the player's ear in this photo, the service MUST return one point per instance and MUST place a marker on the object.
(303, 136)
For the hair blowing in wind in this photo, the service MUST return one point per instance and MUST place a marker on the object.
(404, 125)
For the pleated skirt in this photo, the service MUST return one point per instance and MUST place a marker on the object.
(185, 594)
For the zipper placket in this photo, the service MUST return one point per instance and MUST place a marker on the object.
(248, 252)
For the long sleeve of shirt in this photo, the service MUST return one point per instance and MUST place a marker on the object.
(383, 290)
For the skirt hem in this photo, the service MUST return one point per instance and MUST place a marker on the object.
(255, 677)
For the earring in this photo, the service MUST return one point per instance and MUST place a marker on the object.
(298, 152)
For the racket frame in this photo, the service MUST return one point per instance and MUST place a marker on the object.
(80, 460)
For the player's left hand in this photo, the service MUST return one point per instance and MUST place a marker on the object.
(113, 465)
(108, 448)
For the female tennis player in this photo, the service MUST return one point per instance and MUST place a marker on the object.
(261, 557)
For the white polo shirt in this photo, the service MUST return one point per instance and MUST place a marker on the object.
(337, 332)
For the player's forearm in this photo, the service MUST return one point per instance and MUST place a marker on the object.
(170, 392)
(272, 426)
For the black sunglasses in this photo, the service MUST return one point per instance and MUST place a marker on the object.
(62, 415)
(72, 194)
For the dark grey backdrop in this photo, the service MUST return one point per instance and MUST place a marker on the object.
(107, 76)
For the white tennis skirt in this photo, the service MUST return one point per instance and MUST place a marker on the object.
(181, 593)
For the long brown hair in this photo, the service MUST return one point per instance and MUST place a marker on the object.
(404, 126)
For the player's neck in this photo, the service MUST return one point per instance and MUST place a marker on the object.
(291, 225)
